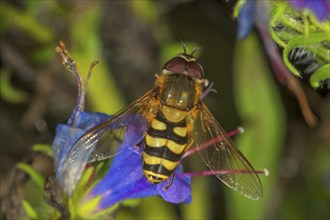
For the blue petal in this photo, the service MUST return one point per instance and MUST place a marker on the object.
(246, 19)
(179, 191)
(66, 136)
(125, 180)
(88, 120)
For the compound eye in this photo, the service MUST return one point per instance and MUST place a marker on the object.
(195, 70)
(176, 65)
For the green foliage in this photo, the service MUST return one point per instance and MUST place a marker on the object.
(199, 207)
(82, 208)
(320, 75)
(305, 41)
(7, 91)
(147, 10)
(35, 176)
(26, 22)
(29, 210)
(43, 148)
(33, 203)
(261, 110)
(79, 207)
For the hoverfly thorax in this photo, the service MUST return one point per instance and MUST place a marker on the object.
(179, 91)
(182, 76)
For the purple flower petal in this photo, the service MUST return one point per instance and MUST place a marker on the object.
(125, 180)
(179, 191)
(320, 8)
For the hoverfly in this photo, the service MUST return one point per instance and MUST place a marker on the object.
(163, 124)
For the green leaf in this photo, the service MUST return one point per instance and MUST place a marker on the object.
(7, 91)
(320, 75)
(29, 210)
(131, 202)
(304, 39)
(199, 207)
(308, 42)
(152, 207)
(102, 214)
(43, 148)
(260, 108)
(145, 10)
(26, 22)
(88, 207)
(35, 176)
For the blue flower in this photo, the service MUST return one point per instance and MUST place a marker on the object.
(320, 8)
(125, 178)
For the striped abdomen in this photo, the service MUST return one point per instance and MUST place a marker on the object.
(165, 142)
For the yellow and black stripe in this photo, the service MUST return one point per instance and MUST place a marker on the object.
(165, 142)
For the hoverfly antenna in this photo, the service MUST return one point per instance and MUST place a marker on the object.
(184, 47)
(194, 50)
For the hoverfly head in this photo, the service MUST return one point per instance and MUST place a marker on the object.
(184, 64)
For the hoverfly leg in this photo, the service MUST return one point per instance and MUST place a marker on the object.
(169, 185)
(208, 89)
(138, 144)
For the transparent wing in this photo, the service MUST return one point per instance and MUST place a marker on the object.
(223, 155)
(125, 129)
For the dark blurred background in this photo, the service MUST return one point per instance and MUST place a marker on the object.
(132, 39)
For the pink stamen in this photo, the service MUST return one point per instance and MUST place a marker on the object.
(209, 143)
(223, 172)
